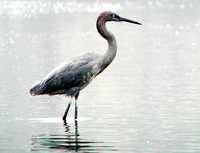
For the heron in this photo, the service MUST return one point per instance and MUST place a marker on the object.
(70, 77)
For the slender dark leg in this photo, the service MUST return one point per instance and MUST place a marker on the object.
(76, 106)
(65, 115)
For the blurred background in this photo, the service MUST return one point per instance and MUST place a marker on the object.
(147, 100)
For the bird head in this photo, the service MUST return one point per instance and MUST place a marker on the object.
(111, 16)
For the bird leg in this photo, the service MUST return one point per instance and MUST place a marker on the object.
(65, 115)
(76, 106)
(76, 110)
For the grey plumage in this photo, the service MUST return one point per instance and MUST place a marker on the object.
(69, 77)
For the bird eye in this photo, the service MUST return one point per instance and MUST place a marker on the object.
(115, 17)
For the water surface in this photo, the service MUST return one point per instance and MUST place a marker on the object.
(147, 100)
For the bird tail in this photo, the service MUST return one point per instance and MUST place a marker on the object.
(37, 88)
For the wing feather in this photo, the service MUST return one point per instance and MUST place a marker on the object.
(69, 77)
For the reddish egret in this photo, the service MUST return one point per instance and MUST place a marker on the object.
(75, 74)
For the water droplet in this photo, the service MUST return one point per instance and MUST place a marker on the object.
(11, 41)
(182, 6)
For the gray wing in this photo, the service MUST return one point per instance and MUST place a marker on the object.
(69, 77)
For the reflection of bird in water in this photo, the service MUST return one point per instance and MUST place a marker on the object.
(75, 74)
(69, 141)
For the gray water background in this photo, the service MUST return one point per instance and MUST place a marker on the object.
(147, 100)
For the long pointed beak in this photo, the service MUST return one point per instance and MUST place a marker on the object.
(128, 20)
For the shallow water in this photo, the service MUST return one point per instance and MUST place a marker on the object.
(147, 100)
